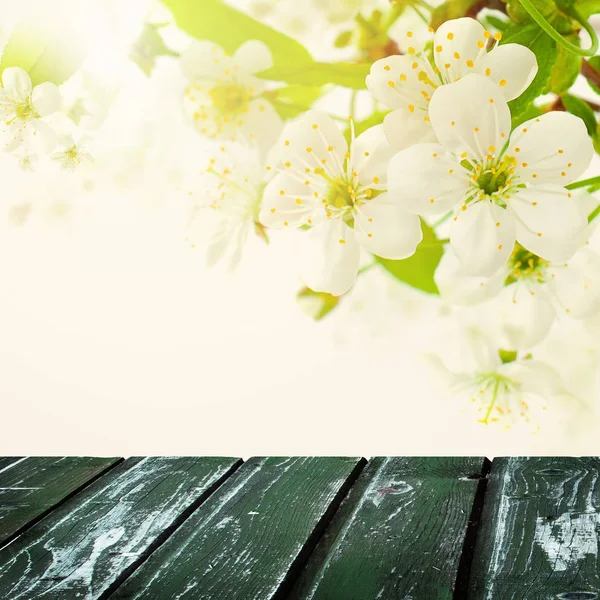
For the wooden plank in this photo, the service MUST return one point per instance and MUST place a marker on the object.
(30, 488)
(540, 531)
(251, 538)
(88, 546)
(400, 533)
(7, 461)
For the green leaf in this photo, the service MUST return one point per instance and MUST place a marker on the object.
(417, 271)
(581, 109)
(215, 21)
(351, 75)
(529, 113)
(518, 14)
(316, 304)
(292, 100)
(565, 69)
(360, 126)
(452, 9)
(148, 46)
(588, 7)
(544, 48)
(47, 54)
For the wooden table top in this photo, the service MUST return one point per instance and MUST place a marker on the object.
(299, 528)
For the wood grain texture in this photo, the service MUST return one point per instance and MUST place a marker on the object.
(249, 539)
(6, 461)
(31, 487)
(88, 545)
(540, 531)
(398, 535)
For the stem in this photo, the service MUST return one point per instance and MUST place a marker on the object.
(591, 74)
(353, 103)
(539, 18)
(584, 183)
(442, 220)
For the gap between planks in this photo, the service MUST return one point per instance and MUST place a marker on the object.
(468, 550)
(169, 531)
(11, 538)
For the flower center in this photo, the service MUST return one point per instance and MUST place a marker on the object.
(229, 98)
(25, 111)
(341, 195)
(492, 183)
(526, 265)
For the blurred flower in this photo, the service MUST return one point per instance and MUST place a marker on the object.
(22, 110)
(225, 206)
(338, 191)
(224, 99)
(71, 154)
(499, 189)
(502, 388)
(406, 83)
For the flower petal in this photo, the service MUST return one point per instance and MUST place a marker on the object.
(549, 222)
(404, 128)
(400, 82)
(534, 377)
(314, 138)
(16, 83)
(457, 45)
(483, 237)
(553, 148)
(46, 99)
(577, 284)
(261, 126)
(511, 66)
(524, 315)
(387, 230)
(253, 56)
(470, 116)
(421, 179)
(370, 155)
(331, 258)
(294, 207)
(458, 287)
(42, 139)
(203, 60)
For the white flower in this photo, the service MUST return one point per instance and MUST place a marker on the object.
(500, 189)
(537, 290)
(72, 155)
(225, 208)
(500, 392)
(339, 192)
(406, 83)
(224, 98)
(22, 110)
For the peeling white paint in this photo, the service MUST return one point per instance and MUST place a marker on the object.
(568, 539)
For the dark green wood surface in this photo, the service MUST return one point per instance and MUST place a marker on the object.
(540, 531)
(6, 461)
(399, 534)
(30, 488)
(93, 541)
(250, 538)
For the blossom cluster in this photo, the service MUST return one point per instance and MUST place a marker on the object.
(442, 161)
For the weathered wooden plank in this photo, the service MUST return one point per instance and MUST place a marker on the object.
(540, 531)
(6, 461)
(250, 539)
(399, 534)
(32, 487)
(90, 544)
